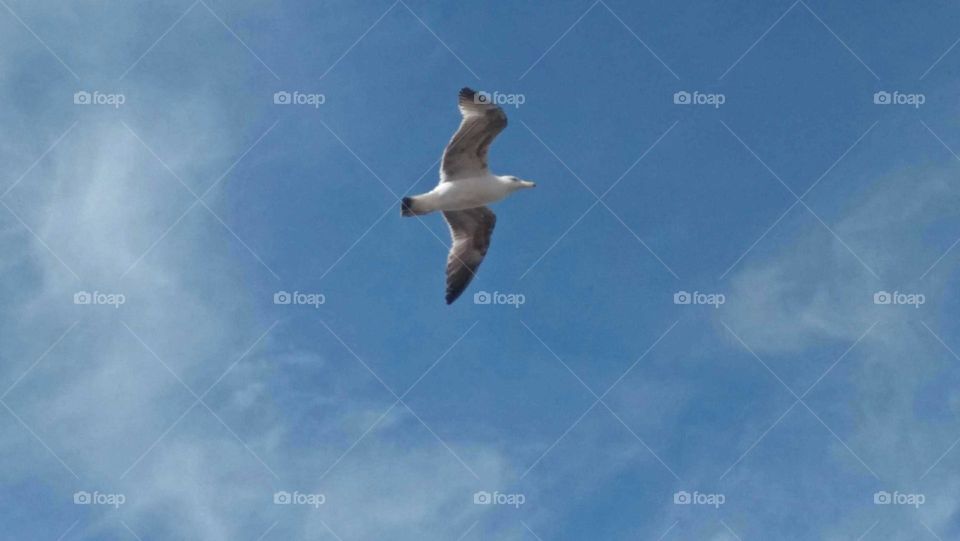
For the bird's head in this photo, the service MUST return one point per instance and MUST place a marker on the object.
(516, 183)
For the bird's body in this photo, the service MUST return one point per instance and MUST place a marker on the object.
(466, 187)
(465, 193)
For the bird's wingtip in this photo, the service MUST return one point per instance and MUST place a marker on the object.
(452, 296)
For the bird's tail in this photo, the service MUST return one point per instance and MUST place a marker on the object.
(408, 207)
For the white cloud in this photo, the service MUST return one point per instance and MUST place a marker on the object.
(100, 399)
(812, 294)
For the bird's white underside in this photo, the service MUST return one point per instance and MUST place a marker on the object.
(465, 193)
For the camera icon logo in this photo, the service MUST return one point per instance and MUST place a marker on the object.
(682, 497)
(82, 297)
(81, 98)
(82, 498)
(682, 297)
(881, 98)
(482, 98)
(281, 98)
(482, 498)
(482, 297)
(282, 297)
(282, 498)
(681, 98)
(882, 297)
(882, 498)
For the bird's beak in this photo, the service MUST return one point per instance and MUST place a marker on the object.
(528, 184)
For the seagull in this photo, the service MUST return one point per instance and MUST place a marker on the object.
(466, 187)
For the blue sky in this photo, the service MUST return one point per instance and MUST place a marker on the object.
(793, 405)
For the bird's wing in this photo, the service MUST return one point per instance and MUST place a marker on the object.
(471, 230)
(466, 152)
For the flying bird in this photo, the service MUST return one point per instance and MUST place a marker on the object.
(466, 187)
